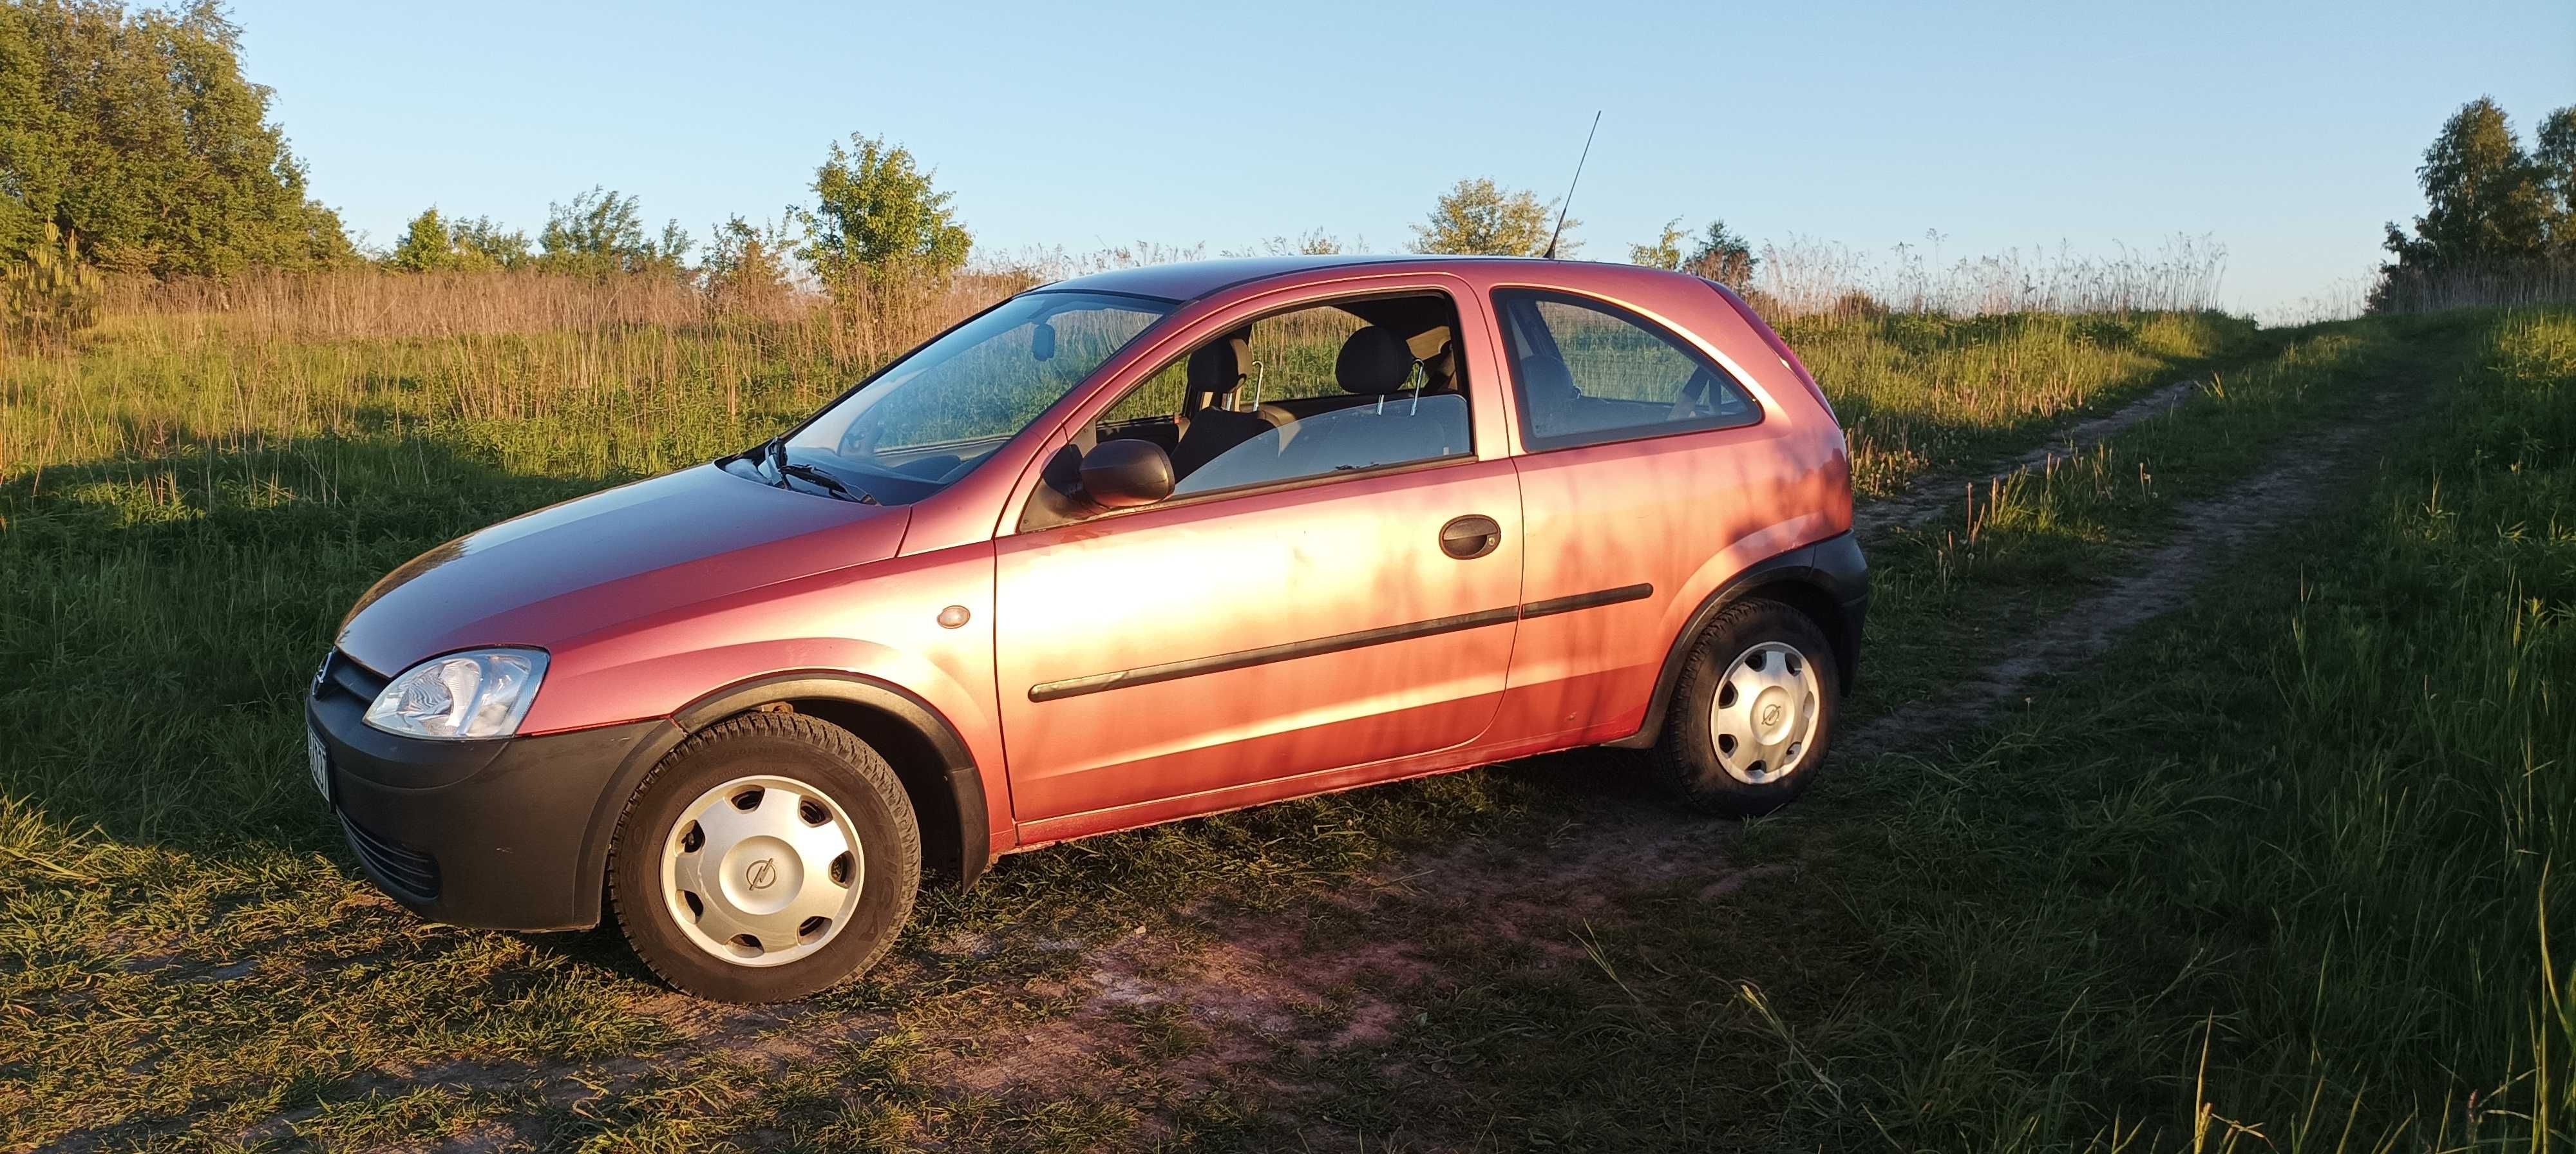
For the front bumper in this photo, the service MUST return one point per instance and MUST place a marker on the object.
(500, 834)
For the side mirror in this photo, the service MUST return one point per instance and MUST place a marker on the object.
(1127, 473)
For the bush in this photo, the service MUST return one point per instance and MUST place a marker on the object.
(1478, 217)
(601, 234)
(49, 297)
(746, 267)
(878, 221)
(1858, 305)
(432, 243)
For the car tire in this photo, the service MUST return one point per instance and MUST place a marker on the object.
(1722, 749)
(724, 873)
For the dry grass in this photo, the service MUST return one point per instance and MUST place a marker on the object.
(365, 303)
(1810, 278)
(591, 378)
(640, 370)
(2479, 285)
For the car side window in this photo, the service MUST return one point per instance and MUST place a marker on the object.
(1345, 387)
(1587, 372)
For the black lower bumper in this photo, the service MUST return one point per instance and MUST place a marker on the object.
(1841, 571)
(497, 834)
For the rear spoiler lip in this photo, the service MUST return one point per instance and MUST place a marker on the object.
(1779, 347)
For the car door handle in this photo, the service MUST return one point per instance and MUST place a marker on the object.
(1469, 537)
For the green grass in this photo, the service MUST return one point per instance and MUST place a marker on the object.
(186, 960)
(1921, 393)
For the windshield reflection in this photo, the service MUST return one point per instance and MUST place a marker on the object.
(928, 420)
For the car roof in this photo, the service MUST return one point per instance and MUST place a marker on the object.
(1190, 280)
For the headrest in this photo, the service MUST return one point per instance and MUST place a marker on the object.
(1545, 378)
(1441, 369)
(1373, 363)
(1217, 367)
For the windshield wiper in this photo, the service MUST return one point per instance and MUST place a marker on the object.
(839, 487)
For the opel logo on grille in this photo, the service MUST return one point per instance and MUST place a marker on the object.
(762, 874)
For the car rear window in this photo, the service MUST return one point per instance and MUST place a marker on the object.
(1587, 372)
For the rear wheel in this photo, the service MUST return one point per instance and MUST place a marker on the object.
(1753, 713)
(769, 856)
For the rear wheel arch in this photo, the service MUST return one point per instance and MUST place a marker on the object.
(1819, 606)
(1798, 578)
(938, 773)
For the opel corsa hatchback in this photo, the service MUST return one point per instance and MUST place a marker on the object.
(1133, 547)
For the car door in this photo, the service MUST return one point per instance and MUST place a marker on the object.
(1340, 589)
(1649, 468)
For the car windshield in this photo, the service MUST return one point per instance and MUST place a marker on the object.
(929, 419)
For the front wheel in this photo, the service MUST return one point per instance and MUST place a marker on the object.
(769, 856)
(1753, 713)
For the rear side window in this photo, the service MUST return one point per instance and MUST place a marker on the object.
(1587, 372)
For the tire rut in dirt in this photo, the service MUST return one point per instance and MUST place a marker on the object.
(1928, 497)
(2212, 531)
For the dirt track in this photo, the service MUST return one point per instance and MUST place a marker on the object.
(2209, 534)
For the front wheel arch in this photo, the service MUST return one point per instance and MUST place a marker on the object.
(940, 776)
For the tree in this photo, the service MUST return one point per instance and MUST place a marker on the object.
(600, 233)
(2555, 157)
(1723, 257)
(1665, 252)
(2490, 210)
(136, 136)
(2484, 200)
(1477, 216)
(876, 214)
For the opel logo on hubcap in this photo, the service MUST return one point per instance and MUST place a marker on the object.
(1770, 715)
(762, 875)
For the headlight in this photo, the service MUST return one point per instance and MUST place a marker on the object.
(482, 693)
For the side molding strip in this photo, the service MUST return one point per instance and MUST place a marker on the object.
(1337, 643)
(1556, 605)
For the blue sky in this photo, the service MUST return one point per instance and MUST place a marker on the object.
(2288, 132)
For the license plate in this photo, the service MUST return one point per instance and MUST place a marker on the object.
(320, 757)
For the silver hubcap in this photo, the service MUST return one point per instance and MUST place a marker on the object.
(761, 871)
(1765, 715)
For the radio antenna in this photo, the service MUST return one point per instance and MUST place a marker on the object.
(1568, 202)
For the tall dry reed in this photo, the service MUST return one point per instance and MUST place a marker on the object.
(603, 377)
(1811, 278)
(2480, 284)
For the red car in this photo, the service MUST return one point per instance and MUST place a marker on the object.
(1132, 547)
